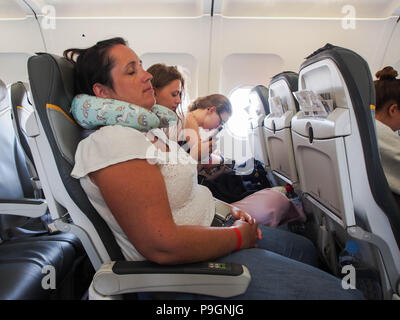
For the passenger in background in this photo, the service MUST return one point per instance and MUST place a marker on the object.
(169, 86)
(268, 207)
(210, 112)
(387, 114)
(158, 212)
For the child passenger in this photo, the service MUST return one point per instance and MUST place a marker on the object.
(387, 116)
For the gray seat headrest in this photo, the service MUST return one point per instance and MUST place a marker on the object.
(263, 93)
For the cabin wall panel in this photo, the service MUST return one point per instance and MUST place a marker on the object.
(20, 38)
(392, 54)
(13, 67)
(289, 41)
(20, 35)
(130, 8)
(292, 40)
(11, 9)
(211, 40)
(307, 8)
(250, 69)
(187, 66)
(151, 35)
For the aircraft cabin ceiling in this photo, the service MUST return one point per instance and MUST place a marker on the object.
(309, 8)
(11, 9)
(196, 8)
(107, 8)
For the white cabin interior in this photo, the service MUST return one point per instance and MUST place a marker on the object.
(229, 47)
(222, 45)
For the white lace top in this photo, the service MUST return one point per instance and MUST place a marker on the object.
(191, 203)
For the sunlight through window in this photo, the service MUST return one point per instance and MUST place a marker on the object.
(238, 122)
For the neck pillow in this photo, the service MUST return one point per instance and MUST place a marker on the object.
(91, 112)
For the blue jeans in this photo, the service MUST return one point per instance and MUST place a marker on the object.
(274, 276)
(287, 244)
(283, 267)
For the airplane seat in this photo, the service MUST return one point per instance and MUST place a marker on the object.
(45, 267)
(258, 108)
(27, 251)
(53, 137)
(19, 95)
(356, 218)
(277, 126)
(10, 169)
(19, 212)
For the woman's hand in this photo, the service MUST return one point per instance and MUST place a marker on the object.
(241, 215)
(250, 233)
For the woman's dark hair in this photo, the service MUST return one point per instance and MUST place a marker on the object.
(164, 75)
(219, 101)
(93, 65)
(387, 88)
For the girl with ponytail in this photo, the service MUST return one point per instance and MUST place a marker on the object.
(387, 114)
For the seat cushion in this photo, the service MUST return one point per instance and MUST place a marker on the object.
(22, 262)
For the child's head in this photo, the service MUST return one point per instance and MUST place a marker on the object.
(214, 109)
(387, 90)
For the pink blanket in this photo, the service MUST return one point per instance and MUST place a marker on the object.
(270, 207)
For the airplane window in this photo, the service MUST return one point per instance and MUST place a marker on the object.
(238, 122)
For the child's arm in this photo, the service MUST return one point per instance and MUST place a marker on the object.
(198, 149)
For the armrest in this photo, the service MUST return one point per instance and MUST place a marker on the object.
(28, 208)
(222, 211)
(214, 279)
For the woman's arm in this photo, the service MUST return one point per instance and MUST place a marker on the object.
(136, 195)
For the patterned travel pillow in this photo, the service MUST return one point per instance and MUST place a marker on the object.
(91, 112)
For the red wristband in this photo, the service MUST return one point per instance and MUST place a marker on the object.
(239, 238)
